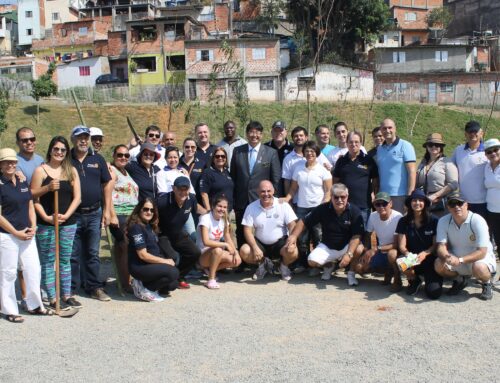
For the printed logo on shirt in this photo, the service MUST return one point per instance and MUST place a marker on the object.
(24, 190)
(217, 234)
(472, 238)
(362, 166)
(197, 170)
(187, 211)
(95, 166)
(138, 239)
(428, 232)
(347, 222)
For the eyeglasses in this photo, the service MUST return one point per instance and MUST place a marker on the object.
(220, 156)
(339, 197)
(190, 147)
(491, 151)
(454, 204)
(29, 139)
(121, 155)
(154, 135)
(381, 204)
(148, 210)
(55, 149)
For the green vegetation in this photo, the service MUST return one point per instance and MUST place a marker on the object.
(43, 87)
(59, 119)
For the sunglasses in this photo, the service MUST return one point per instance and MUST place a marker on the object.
(381, 204)
(29, 139)
(433, 145)
(154, 135)
(190, 147)
(122, 155)
(220, 156)
(148, 154)
(491, 151)
(339, 197)
(453, 204)
(57, 150)
(148, 210)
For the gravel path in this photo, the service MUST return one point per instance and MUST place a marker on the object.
(271, 331)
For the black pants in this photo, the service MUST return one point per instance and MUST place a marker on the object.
(180, 245)
(155, 276)
(494, 226)
(240, 237)
(433, 281)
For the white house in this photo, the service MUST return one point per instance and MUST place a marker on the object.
(31, 20)
(81, 72)
(59, 11)
(332, 82)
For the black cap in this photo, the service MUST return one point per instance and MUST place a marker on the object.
(182, 182)
(472, 126)
(279, 124)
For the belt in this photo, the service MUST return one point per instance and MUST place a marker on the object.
(89, 209)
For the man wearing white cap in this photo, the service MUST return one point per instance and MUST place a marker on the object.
(96, 137)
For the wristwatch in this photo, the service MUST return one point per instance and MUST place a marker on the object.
(379, 247)
(349, 254)
(461, 260)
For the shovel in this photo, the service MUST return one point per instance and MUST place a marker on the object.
(71, 310)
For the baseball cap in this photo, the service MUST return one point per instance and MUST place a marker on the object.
(382, 196)
(455, 196)
(279, 124)
(472, 126)
(80, 129)
(182, 182)
(491, 143)
(96, 132)
(8, 154)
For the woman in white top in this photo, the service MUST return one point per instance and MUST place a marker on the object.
(214, 239)
(165, 177)
(312, 182)
(492, 184)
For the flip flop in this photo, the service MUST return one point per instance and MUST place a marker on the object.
(14, 318)
(41, 311)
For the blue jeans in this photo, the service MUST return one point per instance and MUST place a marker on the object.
(85, 262)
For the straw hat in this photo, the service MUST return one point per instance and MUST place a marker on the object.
(434, 138)
(8, 154)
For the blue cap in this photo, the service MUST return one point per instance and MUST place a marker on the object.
(182, 182)
(80, 129)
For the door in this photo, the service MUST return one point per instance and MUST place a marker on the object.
(432, 92)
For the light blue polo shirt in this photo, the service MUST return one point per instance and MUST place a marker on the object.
(327, 149)
(391, 161)
(471, 164)
(28, 166)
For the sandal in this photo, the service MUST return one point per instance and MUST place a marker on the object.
(41, 311)
(212, 284)
(14, 318)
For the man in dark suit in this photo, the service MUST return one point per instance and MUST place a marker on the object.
(251, 164)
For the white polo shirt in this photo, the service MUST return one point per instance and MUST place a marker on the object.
(463, 240)
(270, 224)
(310, 181)
(384, 230)
(492, 184)
(470, 164)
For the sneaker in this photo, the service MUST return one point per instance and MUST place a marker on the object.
(327, 273)
(156, 296)
(458, 285)
(487, 292)
(351, 279)
(286, 274)
(413, 286)
(314, 272)
(138, 289)
(261, 271)
(100, 295)
(62, 305)
(184, 285)
(73, 303)
(299, 269)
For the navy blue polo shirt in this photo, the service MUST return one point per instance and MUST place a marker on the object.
(141, 237)
(337, 230)
(418, 239)
(173, 217)
(283, 151)
(145, 179)
(195, 169)
(205, 156)
(93, 172)
(214, 182)
(357, 175)
(14, 200)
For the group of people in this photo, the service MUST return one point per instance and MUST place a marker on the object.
(300, 205)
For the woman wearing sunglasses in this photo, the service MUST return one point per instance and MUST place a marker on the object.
(437, 176)
(125, 197)
(416, 233)
(153, 275)
(143, 171)
(492, 184)
(216, 180)
(192, 164)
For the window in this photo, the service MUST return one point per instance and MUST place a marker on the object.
(382, 39)
(446, 87)
(84, 70)
(176, 62)
(205, 55)
(266, 84)
(400, 87)
(55, 16)
(398, 57)
(303, 82)
(123, 37)
(258, 53)
(23, 69)
(441, 56)
(64, 33)
(232, 88)
(174, 31)
(28, 14)
(29, 32)
(145, 64)
(82, 31)
(120, 73)
(4, 71)
(410, 16)
(415, 39)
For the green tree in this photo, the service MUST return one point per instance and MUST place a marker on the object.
(270, 11)
(439, 18)
(4, 105)
(43, 87)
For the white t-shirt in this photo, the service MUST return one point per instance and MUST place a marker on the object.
(165, 180)
(310, 181)
(215, 230)
(384, 230)
(270, 224)
(470, 164)
(492, 183)
(292, 159)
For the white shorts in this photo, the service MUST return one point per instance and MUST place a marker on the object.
(466, 269)
(323, 254)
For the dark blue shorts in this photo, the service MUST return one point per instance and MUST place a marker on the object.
(379, 261)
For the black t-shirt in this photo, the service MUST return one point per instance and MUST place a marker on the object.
(337, 230)
(357, 176)
(93, 172)
(195, 170)
(214, 182)
(144, 178)
(173, 217)
(417, 239)
(141, 237)
(65, 195)
(15, 201)
(283, 151)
